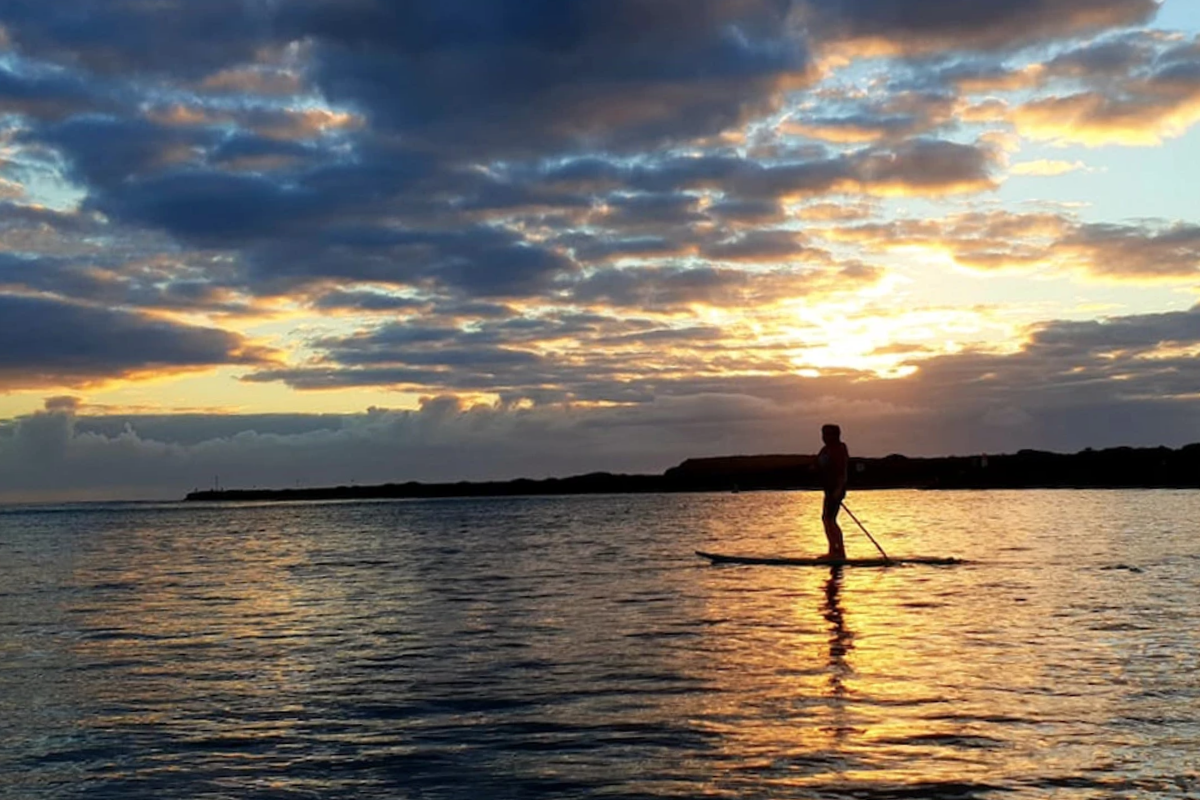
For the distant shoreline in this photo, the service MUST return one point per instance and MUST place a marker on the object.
(1111, 468)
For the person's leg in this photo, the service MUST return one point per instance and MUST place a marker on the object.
(833, 532)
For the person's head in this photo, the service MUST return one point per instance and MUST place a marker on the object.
(831, 433)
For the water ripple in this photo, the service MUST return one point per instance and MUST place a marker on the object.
(573, 647)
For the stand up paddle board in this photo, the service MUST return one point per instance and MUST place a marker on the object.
(719, 558)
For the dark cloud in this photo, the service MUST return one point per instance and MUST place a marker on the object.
(104, 151)
(918, 166)
(63, 403)
(654, 211)
(667, 336)
(666, 289)
(99, 278)
(367, 301)
(751, 212)
(214, 209)
(589, 174)
(172, 37)
(1081, 366)
(592, 248)
(1136, 251)
(1116, 57)
(764, 245)
(925, 166)
(927, 25)
(1136, 334)
(45, 95)
(261, 154)
(901, 115)
(500, 268)
(492, 360)
(489, 75)
(975, 74)
(661, 287)
(51, 343)
(18, 220)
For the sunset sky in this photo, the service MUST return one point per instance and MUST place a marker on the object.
(307, 242)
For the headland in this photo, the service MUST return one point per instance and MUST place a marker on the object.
(1111, 468)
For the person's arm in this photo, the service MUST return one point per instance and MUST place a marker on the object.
(841, 472)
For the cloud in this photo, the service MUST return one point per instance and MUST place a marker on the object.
(105, 151)
(396, 218)
(173, 38)
(1043, 167)
(261, 154)
(1072, 385)
(837, 212)
(1159, 110)
(1138, 90)
(596, 354)
(926, 167)
(1133, 87)
(543, 75)
(619, 214)
(44, 94)
(1132, 335)
(982, 75)
(1110, 364)
(914, 167)
(765, 246)
(1135, 251)
(46, 342)
(923, 26)
(748, 212)
(589, 248)
(1147, 252)
(899, 116)
(497, 79)
(366, 301)
(1105, 59)
(42, 233)
(651, 210)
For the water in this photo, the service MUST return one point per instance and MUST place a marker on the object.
(575, 647)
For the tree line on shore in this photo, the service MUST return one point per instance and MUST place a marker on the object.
(1111, 468)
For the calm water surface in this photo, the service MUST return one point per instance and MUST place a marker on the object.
(575, 647)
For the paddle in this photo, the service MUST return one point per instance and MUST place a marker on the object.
(867, 532)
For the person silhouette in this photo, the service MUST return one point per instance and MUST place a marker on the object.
(834, 464)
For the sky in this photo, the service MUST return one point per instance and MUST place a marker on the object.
(312, 242)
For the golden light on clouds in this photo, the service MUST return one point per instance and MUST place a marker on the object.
(1096, 120)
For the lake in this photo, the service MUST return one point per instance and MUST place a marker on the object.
(576, 647)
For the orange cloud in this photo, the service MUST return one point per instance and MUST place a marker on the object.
(248, 80)
(836, 212)
(290, 123)
(303, 123)
(1144, 115)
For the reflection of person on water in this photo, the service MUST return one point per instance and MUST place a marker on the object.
(834, 463)
(841, 640)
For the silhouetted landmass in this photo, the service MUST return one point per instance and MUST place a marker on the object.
(1114, 468)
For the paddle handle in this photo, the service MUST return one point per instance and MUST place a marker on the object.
(867, 532)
